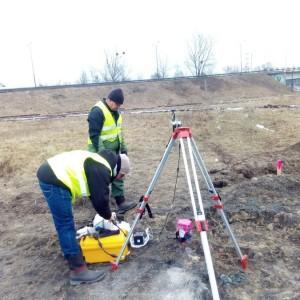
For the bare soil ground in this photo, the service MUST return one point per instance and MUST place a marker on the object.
(263, 209)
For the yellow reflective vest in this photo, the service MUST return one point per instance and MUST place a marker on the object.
(111, 131)
(69, 169)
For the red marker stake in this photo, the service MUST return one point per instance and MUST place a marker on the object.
(279, 167)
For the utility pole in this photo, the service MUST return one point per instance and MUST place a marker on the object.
(241, 57)
(157, 64)
(32, 65)
(292, 85)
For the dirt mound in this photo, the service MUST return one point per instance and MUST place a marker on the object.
(141, 94)
(295, 147)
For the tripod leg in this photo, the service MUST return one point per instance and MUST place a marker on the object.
(209, 265)
(195, 176)
(187, 172)
(201, 165)
(160, 167)
(141, 209)
(199, 216)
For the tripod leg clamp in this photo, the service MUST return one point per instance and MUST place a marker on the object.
(201, 225)
(217, 197)
(141, 211)
(218, 206)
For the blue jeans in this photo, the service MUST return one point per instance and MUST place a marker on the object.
(60, 204)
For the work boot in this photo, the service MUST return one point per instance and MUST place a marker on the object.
(79, 272)
(83, 275)
(123, 205)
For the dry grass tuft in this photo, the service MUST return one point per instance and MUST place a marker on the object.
(7, 167)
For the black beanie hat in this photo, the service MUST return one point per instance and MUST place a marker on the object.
(116, 96)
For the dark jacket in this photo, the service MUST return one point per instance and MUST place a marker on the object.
(98, 179)
(96, 121)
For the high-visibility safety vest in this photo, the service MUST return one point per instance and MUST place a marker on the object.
(111, 131)
(69, 168)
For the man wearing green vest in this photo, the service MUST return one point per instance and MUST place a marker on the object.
(69, 175)
(105, 132)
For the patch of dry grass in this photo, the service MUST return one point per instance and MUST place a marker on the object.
(219, 133)
(233, 133)
(7, 167)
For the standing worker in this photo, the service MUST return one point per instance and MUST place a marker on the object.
(73, 174)
(105, 132)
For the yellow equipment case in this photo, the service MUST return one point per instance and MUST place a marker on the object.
(103, 249)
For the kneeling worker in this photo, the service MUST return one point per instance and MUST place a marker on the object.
(73, 174)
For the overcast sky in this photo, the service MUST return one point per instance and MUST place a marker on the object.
(67, 37)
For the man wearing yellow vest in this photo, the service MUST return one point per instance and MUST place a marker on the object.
(105, 132)
(70, 175)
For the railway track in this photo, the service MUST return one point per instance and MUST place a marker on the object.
(160, 109)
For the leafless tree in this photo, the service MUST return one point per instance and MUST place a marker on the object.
(114, 69)
(161, 66)
(83, 78)
(200, 52)
(266, 67)
(178, 71)
(231, 69)
(95, 76)
(161, 71)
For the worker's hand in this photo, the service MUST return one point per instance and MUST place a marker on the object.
(124, 152)
(113, 217)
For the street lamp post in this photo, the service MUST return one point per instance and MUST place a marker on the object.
(241, 57)
(292, 85)
(32, 65)
(157, 60)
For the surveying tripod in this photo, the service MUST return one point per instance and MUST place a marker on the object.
(184, 135)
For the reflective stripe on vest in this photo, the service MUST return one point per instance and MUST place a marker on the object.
(69, 168)
(110, 131)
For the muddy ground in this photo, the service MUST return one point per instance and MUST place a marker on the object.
(263, 209)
